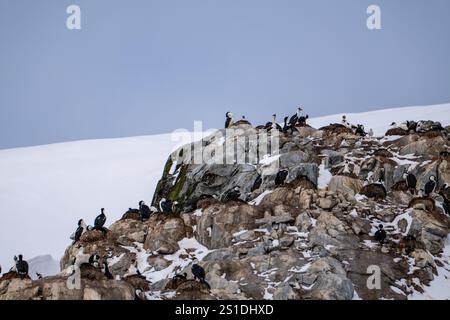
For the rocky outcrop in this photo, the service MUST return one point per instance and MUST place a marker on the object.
(308, 234)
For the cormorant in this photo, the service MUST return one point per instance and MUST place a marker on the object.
(430, 185)
(199, 273)
(181, 276)
(80, 230)
(144, 210)
(22, 267)
(233, 194)
(229, 120)
(100, 221)
(411, 182)
(380, 235)
(302, 120)
(166, 205)
(294, 119)
(108, 274)
(257, 183)
(281, 177)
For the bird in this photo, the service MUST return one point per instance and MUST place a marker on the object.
(93, 260)
(294, 119)
(302, 120)
(166, 205)
(233, 194)
(380, 235)
(100, 221)
(229, 119)
(108, 274)
(39, 275)
(288, 127)
(344, 122)
(370, 132)
(22, 267)
(360, 130)
(274, 125)
(181, 276)
(411, 182)
(199, 273)
(257, 183)
(144, 210)
(446, 203)
(281, 177)
(82, 227)
(430, 185)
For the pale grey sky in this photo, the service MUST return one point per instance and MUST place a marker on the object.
(142, 67)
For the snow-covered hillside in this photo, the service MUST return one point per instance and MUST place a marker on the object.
(44, 190)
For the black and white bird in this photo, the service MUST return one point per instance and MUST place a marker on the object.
(229, 119)
(181, 276)
(199, 273)
(257, 183)
(411, 182)
(100, 221)
(302, 120)
(82, 227)
(281, 177)
(233, 194)
(166, 205)
(430, 186)
(94, 260)
(107, 273)
(380, 235)
(144, 210)
(446, 203)
(22, 267)
(38, 275)
(294, 119)
(274, 124)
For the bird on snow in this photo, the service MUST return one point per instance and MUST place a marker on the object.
(430, 185)
(380, 235)
(229, 119)
(370, 133)
(411, 182)
(22, 267)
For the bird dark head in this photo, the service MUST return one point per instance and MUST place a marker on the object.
(80, 222)
(307, 116)
(380, 226)
(103, 209)
(20, 257)
(432, 178)
(141, 202)
(286, 118)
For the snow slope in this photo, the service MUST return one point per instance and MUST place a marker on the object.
(44, 190)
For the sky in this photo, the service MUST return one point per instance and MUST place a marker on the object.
(141, 67)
